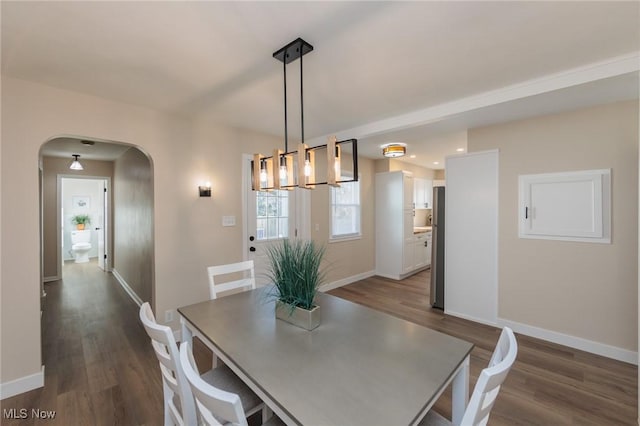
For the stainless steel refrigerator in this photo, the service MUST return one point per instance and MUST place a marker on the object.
(437, 248)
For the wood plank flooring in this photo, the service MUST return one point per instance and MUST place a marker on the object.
(100, 368)
(548, 385)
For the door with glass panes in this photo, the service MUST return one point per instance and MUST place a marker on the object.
(270, 218)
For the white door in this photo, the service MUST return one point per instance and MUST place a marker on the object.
(101, 229)
(270, 217)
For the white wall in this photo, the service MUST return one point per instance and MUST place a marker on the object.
(581, 293)
(188, 231)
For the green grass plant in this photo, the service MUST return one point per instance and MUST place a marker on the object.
(81, 219)
(294, 268)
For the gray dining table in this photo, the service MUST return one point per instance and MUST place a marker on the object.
(359, 367)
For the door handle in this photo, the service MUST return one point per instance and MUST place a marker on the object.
(251, 238)
(252, 249)
(97, 229)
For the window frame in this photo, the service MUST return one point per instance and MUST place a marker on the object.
(351, 236)
(275, 194)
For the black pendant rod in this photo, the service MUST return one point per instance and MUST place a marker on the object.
(289, 53)
(286, 136)
(301, 103)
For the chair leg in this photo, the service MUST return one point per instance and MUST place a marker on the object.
(214, 361)
(267, 413)
(168, 421)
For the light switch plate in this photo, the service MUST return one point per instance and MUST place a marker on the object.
(228, 221)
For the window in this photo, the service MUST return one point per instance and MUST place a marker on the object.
(345, 211)
(272, 215)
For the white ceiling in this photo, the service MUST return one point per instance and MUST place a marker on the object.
(372, 60)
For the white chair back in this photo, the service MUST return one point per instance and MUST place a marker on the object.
(209, 399)
(174, 383)
(490, 380)
(247, 282)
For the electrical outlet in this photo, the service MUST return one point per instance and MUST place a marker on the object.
(168, 315)
(317, 227)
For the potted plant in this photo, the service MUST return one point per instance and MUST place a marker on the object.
(294, 268)
(80, 220)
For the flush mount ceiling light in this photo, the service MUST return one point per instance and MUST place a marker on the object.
(290, 169)
(75, 165)
(393, 150)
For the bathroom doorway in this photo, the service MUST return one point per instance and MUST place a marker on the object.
(83, 206)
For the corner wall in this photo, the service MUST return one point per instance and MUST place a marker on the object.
(353, 258)
(133, 258)
(582, 290)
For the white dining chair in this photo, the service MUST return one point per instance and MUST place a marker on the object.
(487, 386)
(248, 281)
(179, 405)
(221, 406)
(179, 408)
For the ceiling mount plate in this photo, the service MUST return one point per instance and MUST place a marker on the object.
(293, 51)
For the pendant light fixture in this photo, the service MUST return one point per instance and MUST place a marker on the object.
(289, 169)
(75, 165)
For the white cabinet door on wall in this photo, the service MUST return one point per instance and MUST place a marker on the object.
(570, 206)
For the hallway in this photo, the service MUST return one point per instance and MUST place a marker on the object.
(99, 366)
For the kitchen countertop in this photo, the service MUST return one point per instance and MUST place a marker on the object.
(421, 229)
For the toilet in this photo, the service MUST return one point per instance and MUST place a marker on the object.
(80, 245)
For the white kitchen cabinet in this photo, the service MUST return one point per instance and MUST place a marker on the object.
(422, 193)
(428, 247)
(407, 185)
(420, 251)
(395, 241)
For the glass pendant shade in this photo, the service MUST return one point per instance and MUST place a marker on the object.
(75, 165)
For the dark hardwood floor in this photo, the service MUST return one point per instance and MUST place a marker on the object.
(549, 384)
(100, 368)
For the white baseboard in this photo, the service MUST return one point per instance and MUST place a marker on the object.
(49, 279)
(21, 385)
(470, 318)
(126, 288)
(391, 277)
(597, 348)
(345, 281)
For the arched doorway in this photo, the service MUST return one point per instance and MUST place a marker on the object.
(127, 205)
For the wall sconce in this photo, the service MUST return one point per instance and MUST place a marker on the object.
(205, 189)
